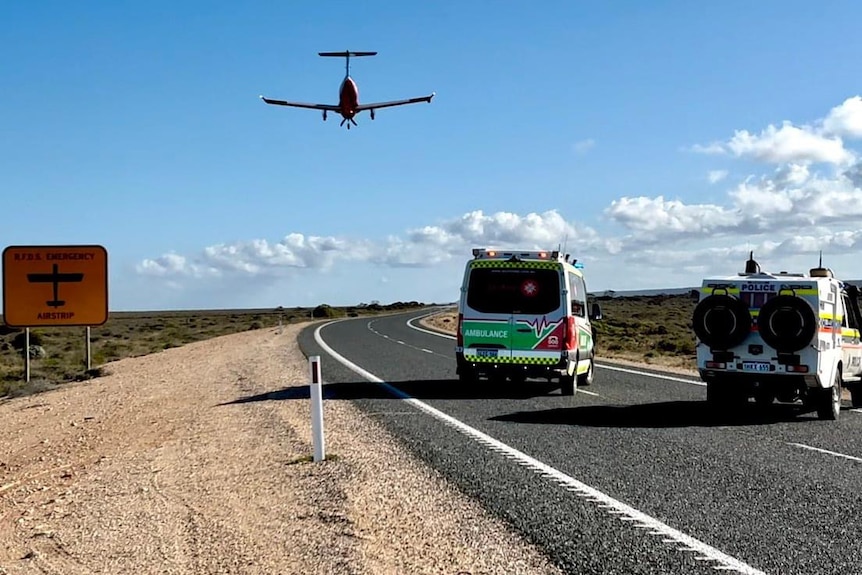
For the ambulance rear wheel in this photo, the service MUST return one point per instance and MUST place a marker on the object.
(586, 379)
(568, 384)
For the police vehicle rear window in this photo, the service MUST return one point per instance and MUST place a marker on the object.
(508, 290)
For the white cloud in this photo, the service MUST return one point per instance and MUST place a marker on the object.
(584, 146)
(715, 176)
(789, 144)
(845, 119)
(420, 247)
(802, 144)
(665, 217)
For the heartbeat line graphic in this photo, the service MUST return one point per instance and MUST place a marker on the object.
(541, 327)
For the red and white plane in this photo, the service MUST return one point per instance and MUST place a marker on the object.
(348, 95)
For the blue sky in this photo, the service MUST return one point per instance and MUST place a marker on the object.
(659, 140)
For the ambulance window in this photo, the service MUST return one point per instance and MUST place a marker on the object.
(578, 295)
(513, 290)
(849, 319)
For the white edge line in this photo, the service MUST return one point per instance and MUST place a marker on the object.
(611, 367)
(582, 489)
(833, 453)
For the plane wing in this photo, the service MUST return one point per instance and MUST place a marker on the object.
(328, 107)
(377, 105)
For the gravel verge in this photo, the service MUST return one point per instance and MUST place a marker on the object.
(195, 460)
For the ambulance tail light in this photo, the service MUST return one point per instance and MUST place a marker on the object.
(716, 365)
(797, 368)
(459, 333)
(570, 340)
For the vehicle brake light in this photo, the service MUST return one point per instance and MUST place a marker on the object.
(798, 368)
(460, 334)
(570, 335)
(715, 365)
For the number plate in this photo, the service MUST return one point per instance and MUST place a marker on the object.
(755, 366)
(486, 352)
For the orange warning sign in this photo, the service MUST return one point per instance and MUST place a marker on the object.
(55, 286)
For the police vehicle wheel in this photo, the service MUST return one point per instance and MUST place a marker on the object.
(787, 323)
(829, 404)
(568, 384)
(721, 321)
(586, 379)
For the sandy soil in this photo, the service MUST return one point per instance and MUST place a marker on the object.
(166, 466)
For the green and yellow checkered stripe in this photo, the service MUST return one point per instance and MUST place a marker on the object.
(518, 360)
(529, 264)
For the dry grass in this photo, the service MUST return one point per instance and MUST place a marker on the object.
(133, 334)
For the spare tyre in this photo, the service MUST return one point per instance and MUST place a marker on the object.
(721, 321)
(787, 323)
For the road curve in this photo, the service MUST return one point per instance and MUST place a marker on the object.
(635, 478)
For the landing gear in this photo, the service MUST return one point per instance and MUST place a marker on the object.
(324, 115)
(372, 113)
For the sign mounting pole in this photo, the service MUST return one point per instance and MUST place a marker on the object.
(27, 354)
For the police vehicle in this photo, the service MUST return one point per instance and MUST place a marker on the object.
(784, 336)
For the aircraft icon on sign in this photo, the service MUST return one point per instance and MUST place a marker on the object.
(56, 278)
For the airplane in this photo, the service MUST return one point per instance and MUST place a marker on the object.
(348, 95)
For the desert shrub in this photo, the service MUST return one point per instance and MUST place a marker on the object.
(255, 325)
(19, 341)
(325, 311)
(6, 330)
(667, 345)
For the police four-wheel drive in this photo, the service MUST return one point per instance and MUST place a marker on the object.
(524, 314)
(784, 336)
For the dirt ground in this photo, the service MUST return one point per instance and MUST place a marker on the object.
(194, 460)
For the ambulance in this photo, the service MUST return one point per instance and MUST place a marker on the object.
(779, 336)
(525, 314)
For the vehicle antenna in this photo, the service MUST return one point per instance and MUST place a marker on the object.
(820, 262)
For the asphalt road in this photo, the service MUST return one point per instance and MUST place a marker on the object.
(633, 477)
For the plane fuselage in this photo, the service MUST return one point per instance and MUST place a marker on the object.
(348, 97)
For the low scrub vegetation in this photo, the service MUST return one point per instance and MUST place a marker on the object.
(58, 355)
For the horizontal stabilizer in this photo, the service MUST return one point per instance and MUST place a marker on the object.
(346, 54)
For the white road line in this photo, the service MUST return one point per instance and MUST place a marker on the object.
(428, 331)
(648, 374)
(826, 451)
(588, 392)
(606, 502)
(427, 350)
(611, 367)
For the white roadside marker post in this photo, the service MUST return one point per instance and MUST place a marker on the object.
(317, 408)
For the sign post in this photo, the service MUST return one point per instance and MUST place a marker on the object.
(88, 349)
(27, 355)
